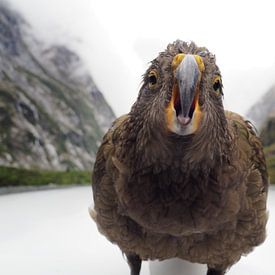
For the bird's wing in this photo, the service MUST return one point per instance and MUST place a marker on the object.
(104, 168)
(253, 216)
(258, 157)
(105, 152)
(250, 146)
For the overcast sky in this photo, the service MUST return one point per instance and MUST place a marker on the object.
(118, 38)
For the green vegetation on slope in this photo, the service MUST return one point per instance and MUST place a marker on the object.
(17, 177)
(271, 169)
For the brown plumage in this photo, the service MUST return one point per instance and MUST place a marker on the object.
(178, 176)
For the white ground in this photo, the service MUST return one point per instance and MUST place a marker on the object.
(50, 232)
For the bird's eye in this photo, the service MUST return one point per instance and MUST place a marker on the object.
(217, 85)
(152, 79)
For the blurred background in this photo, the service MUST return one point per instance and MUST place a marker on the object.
(68, 68)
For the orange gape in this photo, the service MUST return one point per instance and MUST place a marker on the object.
(198, 112)
(170, 110)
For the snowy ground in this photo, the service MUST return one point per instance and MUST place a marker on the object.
(50, 233)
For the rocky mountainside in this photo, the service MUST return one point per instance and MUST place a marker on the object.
(262, 110)
(52, 116)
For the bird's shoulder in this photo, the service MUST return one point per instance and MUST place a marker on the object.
(115, 130)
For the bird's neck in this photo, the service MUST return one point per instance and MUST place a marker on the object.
(154, 149)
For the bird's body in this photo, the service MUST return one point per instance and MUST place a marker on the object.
(169, 183)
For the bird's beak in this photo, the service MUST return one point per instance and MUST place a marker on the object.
(183, 112)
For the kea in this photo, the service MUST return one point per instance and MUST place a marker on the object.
(178, 176)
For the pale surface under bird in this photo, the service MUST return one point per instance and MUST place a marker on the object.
(178, 176)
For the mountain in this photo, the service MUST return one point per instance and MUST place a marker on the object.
(268, 139)
(263, 109)
(263, 115)
(52, 115)
(268, 132)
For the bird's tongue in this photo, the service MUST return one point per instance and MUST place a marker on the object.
(183, 117)
(183, 120)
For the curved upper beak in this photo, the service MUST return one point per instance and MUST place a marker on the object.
(188, 70)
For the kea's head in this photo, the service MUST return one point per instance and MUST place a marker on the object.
(181, 92)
